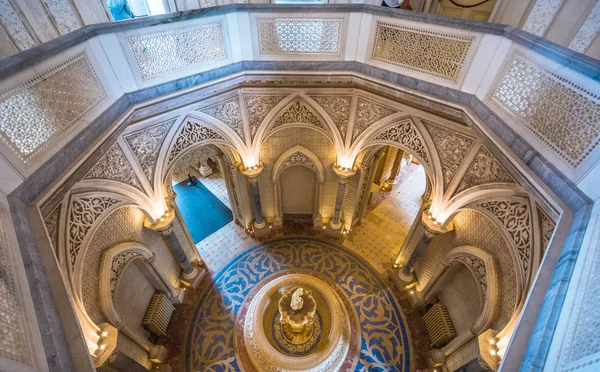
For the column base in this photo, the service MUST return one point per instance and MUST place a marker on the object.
(158, 354)
(263, 231)
(318, 223)
(277, 222)
(178, 298)
(160, 367)
(407, 279)
(205, 171)
(333, 231)
(399, 281)
(387, 186)
(194, 281)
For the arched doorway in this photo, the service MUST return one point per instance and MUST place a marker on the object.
(298, 194)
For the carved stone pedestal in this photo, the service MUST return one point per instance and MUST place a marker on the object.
(261, 231)
(194, 281)
(205, 170)
(334, 232)
(158, 354)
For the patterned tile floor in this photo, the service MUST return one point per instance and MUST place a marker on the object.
(377, 239)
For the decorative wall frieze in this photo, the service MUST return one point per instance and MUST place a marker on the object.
(118, 265)
(368, 112)
(548, 226)
(320, 36)
(433, 53)
(63, 15)
(405, 134)
(51, 223)
(189, 134)
(83, 213)
(145, 144)
(298, 158)
(160, 53)
(15, 26)
(338, 109)
(39, 112)
(452, 148)
(477, 267)
(483, 169)
(558, 112)
(298, 113)
(257, 108)
(515, 218)
(113, 165)
(541, 15)
(229, 113)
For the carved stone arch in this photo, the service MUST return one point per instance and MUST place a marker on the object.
(481, 265)
(298, 156)
(298, 110)
(510, 210)
(114, 263)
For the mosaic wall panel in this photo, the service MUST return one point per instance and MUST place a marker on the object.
(338, 109)
(124, 225)
(145, 145)
(63, 15)
(452, 147)
(15, 27)
(55, 101)
(133, 297)
(14, 343)
(160, 53)
(588, 31)
(433, 53)
(473, 228)
(368, 113)
(257, 108)
(541, 15)
(113, 165)
(562, 114)
(484, 169)
(282, 141)
(300, 35)
(229, 113)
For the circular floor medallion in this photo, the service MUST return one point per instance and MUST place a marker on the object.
(367, 329)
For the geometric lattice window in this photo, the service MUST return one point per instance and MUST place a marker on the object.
(563, 115)
(300, 35)
(432, 53)
(160, 53)
(39, 112)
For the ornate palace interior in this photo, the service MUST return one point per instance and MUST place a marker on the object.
(299, 186)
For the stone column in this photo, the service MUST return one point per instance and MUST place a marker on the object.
(343, 175)
(431, 228)
(391, 181)
(259, 225)
(192, 275)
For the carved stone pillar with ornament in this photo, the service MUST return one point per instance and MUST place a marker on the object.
(205, 169)
(336, 226)
(259, 226)
(391, 181)
(193, 272)
(430, 228)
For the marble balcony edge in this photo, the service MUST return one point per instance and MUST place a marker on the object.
(575, 60)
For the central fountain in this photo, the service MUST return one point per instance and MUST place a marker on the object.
(297, 309)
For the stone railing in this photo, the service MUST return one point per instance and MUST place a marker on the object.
(538, 99)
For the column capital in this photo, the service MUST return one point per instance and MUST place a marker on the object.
(163, 225)
(344, 174)
(432, 226)
(252, 173)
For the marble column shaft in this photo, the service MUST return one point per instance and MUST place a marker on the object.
(177, 249)
(417, 253)
(256, 200)
(339, 200)
(395, 167)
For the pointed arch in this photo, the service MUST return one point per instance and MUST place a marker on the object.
(299, 155)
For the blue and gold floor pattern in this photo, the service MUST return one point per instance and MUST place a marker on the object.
(384, 345)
